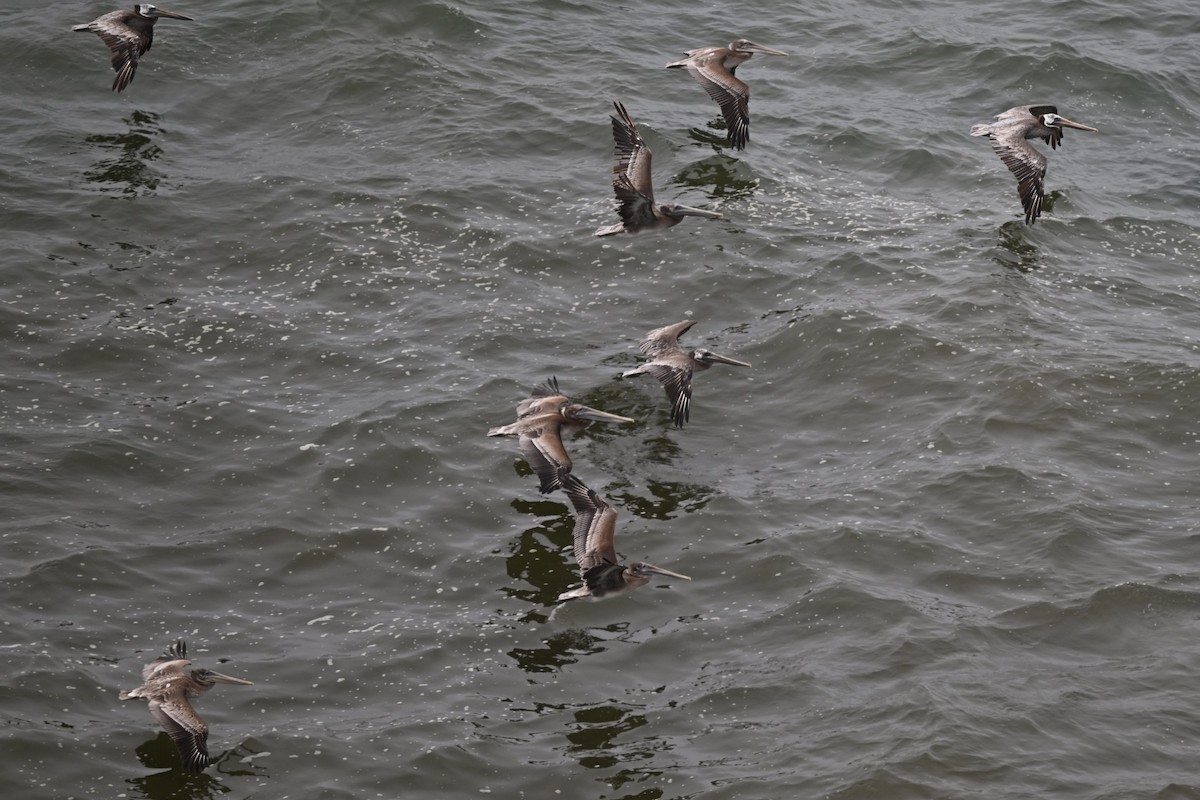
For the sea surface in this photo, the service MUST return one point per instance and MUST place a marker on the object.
(260, 310)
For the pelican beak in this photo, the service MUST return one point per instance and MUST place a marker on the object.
(158, 12)
(758, 48)
(595, 415)
(717, 358)
(665, 572)
(1070, 124)
(219, 678)
(677, 210)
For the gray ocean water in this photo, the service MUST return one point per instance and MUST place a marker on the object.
(260, 310)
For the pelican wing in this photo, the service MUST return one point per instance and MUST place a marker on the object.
(1023, 113)
(1026, 163)
(539, 438)
(731, 94)
(171, 662)
(595, 526)
(631, 173)
(665, 340)
(677, 381)
(541, 444)
(541, 398)
(632, 154)
(127, 45)
(635, 208)
(164, 667)
(185, 727)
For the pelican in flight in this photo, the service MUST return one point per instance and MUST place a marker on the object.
(541, 422)
(129, 35)
(1009, 139)
(714, 68)
(633, 188)
(673, 366)
(595, 526)
(169, 686)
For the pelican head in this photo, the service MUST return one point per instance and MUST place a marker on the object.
(639, 572)
(150, 12)
(747, 46)
(676, 211)
(578, 412)
(207, 678)
(708, 358)
(1055, 121)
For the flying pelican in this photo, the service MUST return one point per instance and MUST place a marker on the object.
(1009, 137)
(633, 188)
(541, 422)
(129, 35)
(168, 686)
(673, 366)
(595, 525)
(713, 68)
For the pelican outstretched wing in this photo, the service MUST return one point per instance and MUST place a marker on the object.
(665, 340)
(1026, 164)
(731, 94)
(631, 172)
(188, 731)
(127, 44)
(595, 526)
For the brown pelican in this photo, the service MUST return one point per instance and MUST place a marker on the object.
(633, 188)
(168, 686)
(673, 366)
(1009, 137)
(595, 525)
(541, 422)
(129, 35)
(713, 68)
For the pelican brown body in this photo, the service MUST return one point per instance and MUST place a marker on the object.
(673, 366)
(595, 552)
(541, 422)
(169, 686)
(633, 187)
(1010, 141)
(714, 68)
(128, 35)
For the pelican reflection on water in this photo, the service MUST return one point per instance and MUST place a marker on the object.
(595, 551)
(674, 367)
(169, 686)
(714, 68)
(633, 187)
(128, 34)
(1010, 141)
(541, 422)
